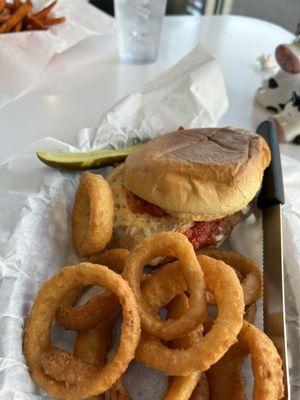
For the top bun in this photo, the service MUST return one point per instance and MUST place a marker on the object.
(199, 174)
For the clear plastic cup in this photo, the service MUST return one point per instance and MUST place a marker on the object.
(139, 25)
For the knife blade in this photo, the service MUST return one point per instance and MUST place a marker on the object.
(270, 201)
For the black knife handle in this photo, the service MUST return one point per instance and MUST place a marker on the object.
(272, 191)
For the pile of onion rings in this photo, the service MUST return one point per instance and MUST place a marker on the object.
(201, 353)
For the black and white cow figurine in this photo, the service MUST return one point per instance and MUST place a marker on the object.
(288, 121)
(280, 93)
(277, 90)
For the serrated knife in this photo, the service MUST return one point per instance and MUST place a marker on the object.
(270, 200)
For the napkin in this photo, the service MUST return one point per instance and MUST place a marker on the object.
(190, 94)
(24, 55)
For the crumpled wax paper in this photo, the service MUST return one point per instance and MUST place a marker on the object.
(24, 55)
(36, 202)
(190, 94)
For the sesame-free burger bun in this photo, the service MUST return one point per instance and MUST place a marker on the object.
(200, 174)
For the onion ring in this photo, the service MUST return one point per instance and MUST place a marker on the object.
(77, 379)
(119, 392)
(159, 288)
(266, 364)
(251, 275)
(201, 391)
(88, 315)
(166, 244)
(176, 307)
(250, 313)
(249, 316)
(113, 258)
(181, 387)
(222, 281)
(93, 345)
(92, 216)
(225, 378)
(251, 283)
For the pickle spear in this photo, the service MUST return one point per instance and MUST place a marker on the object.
(86, 160)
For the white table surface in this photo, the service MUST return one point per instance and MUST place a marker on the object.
(82, 83)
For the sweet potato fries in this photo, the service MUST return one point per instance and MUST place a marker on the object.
(19, 16)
